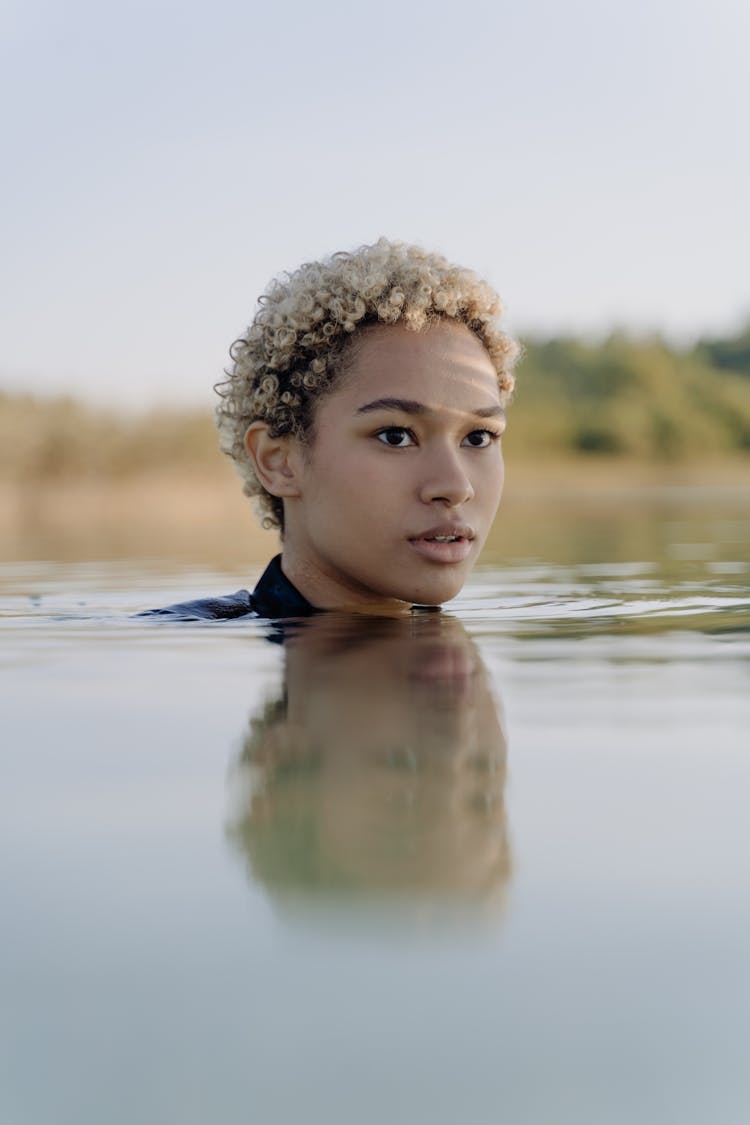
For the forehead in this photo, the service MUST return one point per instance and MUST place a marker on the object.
(443, 365)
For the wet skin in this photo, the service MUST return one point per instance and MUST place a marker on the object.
(392, 502)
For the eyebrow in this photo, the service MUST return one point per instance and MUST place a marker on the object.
(409, 406)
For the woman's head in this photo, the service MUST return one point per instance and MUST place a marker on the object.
(302, 336)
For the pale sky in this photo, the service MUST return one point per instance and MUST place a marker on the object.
(161, 161)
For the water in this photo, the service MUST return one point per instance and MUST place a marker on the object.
(479, 868)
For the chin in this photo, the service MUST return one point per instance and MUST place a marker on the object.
(436, 592)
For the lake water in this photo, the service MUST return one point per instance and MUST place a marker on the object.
(491, 865)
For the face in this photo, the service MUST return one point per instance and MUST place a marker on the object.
(398, 490)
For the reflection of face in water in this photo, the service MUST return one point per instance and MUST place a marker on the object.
(379, 769)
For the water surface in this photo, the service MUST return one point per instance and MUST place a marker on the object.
(482, 866)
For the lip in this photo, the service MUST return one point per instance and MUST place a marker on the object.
(455, 552)
(462, 530)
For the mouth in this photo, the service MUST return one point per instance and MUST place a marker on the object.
(446, 532)
(444, 544)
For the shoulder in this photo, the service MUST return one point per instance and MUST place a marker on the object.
(225, 608)
(274, 597)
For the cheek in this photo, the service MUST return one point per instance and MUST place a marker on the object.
(489, 482)
(381, 477)
(362, 484)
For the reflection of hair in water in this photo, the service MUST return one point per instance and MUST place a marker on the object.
(378, 772)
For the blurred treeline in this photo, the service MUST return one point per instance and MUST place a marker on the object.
(44, 439)
(623, 397)
(637, 398)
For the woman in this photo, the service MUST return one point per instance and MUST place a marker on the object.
(364, 410)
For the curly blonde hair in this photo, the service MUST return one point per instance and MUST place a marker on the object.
(296, 348)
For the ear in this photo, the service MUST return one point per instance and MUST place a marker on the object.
(275, 459)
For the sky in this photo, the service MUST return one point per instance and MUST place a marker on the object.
(162, 161)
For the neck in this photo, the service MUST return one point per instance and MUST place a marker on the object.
(326, 589)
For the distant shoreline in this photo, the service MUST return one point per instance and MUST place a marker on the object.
(204, 516)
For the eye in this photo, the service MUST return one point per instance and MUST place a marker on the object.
(480, 439)
(397, 437)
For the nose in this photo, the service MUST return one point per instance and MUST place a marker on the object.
(445, 479)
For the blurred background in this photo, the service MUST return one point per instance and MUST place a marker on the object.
(163, 161)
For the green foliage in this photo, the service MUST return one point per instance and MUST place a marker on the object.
(731, 354)
(627, 397)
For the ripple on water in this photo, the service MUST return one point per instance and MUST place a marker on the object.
(619, 599)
